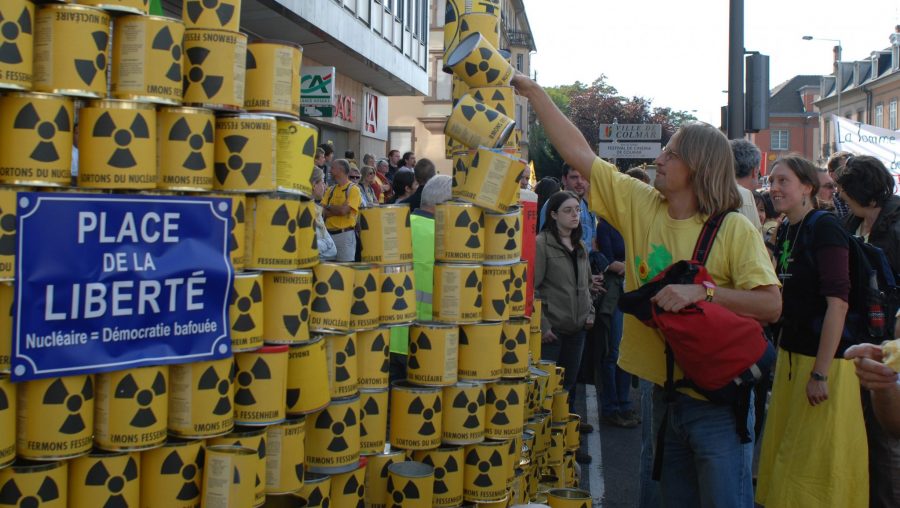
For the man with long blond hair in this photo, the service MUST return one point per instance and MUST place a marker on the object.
(704, 461)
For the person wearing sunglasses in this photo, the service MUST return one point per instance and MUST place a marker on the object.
(825, 196)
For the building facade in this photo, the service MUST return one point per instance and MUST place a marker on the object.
(869, 91)
(416, 124)
(377, 48)
(793, 121)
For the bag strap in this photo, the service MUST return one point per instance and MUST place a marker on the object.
(708, 236)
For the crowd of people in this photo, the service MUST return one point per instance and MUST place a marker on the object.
(828, 421)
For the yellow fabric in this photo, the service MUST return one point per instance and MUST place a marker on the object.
(338, 195)
(813, 456)
(653, 241)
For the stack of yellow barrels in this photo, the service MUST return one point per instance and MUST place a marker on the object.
(189, 109)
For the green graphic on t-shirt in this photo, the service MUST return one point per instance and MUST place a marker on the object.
(658, 260)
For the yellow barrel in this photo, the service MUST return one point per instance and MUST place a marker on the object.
(458, 233)
(171, 474)
(457, 293)
(131, 411)
(460, 165)
(373, 409)
(307, 242)
(201, 399)
(228, 476)
(527, 446)
(453, 11)
(117, 145)
(71, 44)
(237, 225)
(218, 15)
(343, 366)
(486, 24)
(295, 156)
(55, 417)
(573, 437)
(505, 410)
(332, 437)
(146, 61)
(501, 98)
(214, 68)
(489, 6)
(385, 234)
(534, 346)
(316, 490)
(560, 411)
(245, 155)
(271, 232)
(307, 377)
(410, 485)
(42, 484)
(246, 312)
(433, 349)
(104, 479)
(537, 310)
(8, 231)
(497, 280)
(553, 383)
(36, 136)
(286, 313)
(540, 425)
(349, 489)
(273, 78)
(186, 146)
(478, 62)
(447, 462)
(7, 421)
(364, 312)
(557, 443)
(503, 241)
(16, 67)
(284, 456)
(492, 181)
(415, 416)
(515, 456)
(253, 438)
(517, 290)
(541, 385)
(515, 348)
(485, 471)
(332, 296)
(473, 124)
(397, 300)
(568, 498)
(517, 493)
(458, 89)
(480, 351)
(377, 475)
(373, 347)
(260, 386)
(463, 413)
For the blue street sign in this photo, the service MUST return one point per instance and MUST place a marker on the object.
(109, 282)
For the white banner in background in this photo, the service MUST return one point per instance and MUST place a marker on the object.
(862, 139)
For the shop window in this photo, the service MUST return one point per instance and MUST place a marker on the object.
(401, 138)
(892, 115)
(879, 115)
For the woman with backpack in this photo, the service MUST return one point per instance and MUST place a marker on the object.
(868, 189)
(814, 441)
(562, 278)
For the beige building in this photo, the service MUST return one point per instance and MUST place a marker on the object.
(416, 124)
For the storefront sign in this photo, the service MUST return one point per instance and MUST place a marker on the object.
(111, 282)
(317, 91)
(375, 113)
(345, 106)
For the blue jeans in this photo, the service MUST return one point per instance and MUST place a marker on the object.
(649, 489)
(704, 464)
(616, 382)
(566, 352)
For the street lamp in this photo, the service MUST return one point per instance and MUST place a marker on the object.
(838, 80)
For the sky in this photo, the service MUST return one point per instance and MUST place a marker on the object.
(675, 52)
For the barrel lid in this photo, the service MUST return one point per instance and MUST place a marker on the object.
(232, 449)
(119, 104)
(463, 49)
(186, 110)
(272, 349)
(411, 469)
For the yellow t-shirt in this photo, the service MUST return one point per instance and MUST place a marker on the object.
(338, 195)
(654, 240)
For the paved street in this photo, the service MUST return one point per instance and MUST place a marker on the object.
(612, 476)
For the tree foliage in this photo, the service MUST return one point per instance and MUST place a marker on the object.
(589, 106)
